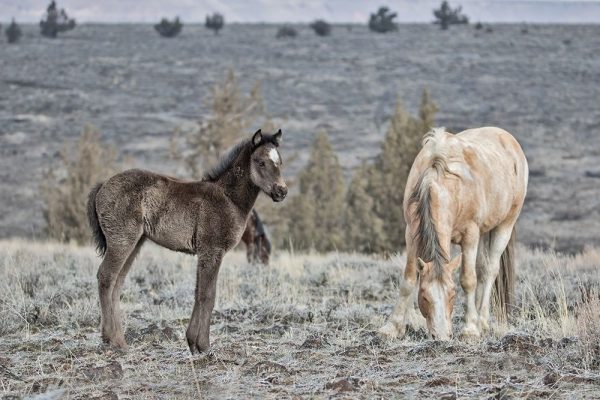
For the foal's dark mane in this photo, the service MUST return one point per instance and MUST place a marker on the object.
(226, 161)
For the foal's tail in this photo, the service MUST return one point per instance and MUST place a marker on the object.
(504, 287)
(92, 214)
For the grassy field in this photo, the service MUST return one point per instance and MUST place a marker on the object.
(304, 326)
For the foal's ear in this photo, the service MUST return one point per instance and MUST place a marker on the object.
(420, 264)
(257, 138)
(277, 137)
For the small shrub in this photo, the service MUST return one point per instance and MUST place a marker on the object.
(286, 31)
(64, 192)
(169, 29)
(321, 27)
(13, 32)
(383, 21)
(232, 114)
(215, 22)
(479, 26)
(446, 16)
(387, 181)
(55, 21)
(362, 226)
(315, 214)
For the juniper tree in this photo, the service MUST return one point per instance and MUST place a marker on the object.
(446, 16)
(13, 32)
(55, 21)
(363, 228)
(321, 27)
(390, 170)
(169, 29)
(215, 22)
(383, 21)
(315, 213)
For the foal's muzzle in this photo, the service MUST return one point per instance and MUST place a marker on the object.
(278, 193)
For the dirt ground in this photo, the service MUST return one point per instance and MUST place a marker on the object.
(305, 326)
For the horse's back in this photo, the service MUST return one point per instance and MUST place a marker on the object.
(497, 177)
(491, 169)
(494, 153)
(171, 212)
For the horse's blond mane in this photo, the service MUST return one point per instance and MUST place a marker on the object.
(426, 237)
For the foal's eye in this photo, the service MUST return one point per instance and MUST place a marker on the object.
(261, 163)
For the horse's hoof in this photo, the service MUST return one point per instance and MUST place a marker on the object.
(483, 325)
(470, 332)
(389, 331)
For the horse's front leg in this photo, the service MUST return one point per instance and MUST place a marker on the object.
(468, 281)
(206, 290)
(396, 323)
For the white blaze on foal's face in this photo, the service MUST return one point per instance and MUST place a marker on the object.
(274, 156)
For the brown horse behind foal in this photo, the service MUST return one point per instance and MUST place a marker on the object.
(205, 218)
(256, 239)
(466, 189)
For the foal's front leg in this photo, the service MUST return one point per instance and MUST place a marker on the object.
(206, 289)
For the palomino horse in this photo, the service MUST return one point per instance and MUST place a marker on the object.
(256, 239)
(205, 218)
(466, 189)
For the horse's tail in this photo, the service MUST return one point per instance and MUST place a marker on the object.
(504, 287)
(92, 214)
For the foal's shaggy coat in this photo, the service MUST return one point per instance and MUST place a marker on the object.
(466, 189)
(205, 218)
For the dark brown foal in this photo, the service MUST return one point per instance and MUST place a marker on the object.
(205, 217)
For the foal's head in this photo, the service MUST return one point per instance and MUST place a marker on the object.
(436, 296)
(265, 165)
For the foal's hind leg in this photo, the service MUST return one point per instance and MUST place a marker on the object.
(116, 292)
(116, 256)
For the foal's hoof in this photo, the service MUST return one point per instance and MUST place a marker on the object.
(390, 331)
(116, 344)
(198, 347)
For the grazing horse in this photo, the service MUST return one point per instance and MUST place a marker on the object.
(467, 189)
(205, 218)
(256, 239)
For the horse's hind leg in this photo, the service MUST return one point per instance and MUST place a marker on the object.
(500, 236)
(116, 292)
(117, 253)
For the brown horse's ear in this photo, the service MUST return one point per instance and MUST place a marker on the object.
(420, 264)
(455, 263)
(257, 138)
(277, 137)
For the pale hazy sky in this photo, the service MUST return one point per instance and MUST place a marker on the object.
(566, 11)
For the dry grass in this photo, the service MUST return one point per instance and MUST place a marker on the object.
(306, 325)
